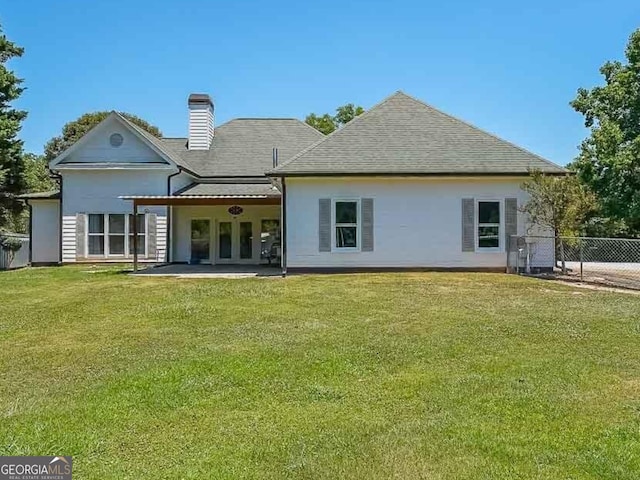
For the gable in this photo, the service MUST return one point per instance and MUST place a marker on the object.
(96, 147)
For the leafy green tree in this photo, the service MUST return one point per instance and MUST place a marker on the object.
(329, 123)
(37, 178)
(11, 161)
(75, 129)
(560, 203)
(609, 159)
(37, 174)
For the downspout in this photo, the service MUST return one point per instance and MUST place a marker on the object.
(284, 228)
(169, 253)
(58, 177)
(30, 233)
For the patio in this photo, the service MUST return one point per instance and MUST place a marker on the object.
(210, 271)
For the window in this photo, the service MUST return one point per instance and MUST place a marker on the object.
(488, 224)
(116, 234)
(112, 234)
(142, 234)
(346, 224)
(269, 239)
(96, 234)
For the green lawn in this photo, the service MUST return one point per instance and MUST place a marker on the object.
(426, 375)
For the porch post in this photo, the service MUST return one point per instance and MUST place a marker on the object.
(135, 236)
(283, 228)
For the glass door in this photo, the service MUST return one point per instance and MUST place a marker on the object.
(235, 242)
(225, 242)
(200, 240)
(246, 240)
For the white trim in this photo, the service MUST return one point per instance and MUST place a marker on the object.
(211, 259)
(358, 225)
(501, 226)
(106, 255)
(271, 218)
(94, 131)
(114, 166)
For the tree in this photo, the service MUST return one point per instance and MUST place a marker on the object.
(37, 174)
(72, 131)
(11, 161)
(609, 159)
(328, 123)
(561, 203)
(36, 178)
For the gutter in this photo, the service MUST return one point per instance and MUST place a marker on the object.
(408, 174)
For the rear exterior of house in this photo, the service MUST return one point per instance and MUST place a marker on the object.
(402, 186)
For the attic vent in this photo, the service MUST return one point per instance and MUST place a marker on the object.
(116, 140)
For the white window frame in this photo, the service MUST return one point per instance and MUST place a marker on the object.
(128, 249)
(500, 225)
(334, 225)
(89, 234)
(125, 243)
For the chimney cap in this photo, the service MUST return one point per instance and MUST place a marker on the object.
(200, 98)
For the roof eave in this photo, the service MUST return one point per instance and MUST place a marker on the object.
(278, 174)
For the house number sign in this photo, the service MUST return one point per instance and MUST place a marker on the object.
(235, 210)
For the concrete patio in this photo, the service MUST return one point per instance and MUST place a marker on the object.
(210, 271)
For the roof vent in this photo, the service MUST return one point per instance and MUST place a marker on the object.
(200, 121)
(115, 140)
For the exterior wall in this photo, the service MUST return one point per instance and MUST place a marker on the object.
(98, 149)
(181, 226)
(180, 181)
(200, 126)
(45, 233)
(92, 191)
(417, 221)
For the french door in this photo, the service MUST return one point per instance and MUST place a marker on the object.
(200, 240)
(234, 242)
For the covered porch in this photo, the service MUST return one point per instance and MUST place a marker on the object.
(212, 233)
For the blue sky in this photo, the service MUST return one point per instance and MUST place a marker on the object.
(504, 66)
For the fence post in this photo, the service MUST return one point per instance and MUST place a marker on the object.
(581, 258)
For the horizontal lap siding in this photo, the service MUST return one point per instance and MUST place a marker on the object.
(161, 238)
(68, 238)
(98, 192)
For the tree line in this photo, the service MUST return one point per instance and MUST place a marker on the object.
(601, 197)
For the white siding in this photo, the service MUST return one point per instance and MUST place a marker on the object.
(181, 221)
(180, 181)
(98, 149)
(200, 126)
(45, 234)
(417, 221)
(98, 192)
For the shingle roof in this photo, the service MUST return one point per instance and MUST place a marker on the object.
(402, 135)
(229, 189)
(53, 194)
(244, 146)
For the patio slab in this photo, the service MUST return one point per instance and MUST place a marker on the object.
(210, 271)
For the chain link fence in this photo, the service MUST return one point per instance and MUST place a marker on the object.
(605, 261)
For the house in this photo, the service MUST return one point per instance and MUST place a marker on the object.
(402, 186)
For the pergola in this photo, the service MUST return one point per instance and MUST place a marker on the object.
(191, 200)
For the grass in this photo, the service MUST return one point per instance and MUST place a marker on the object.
(429, 375)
